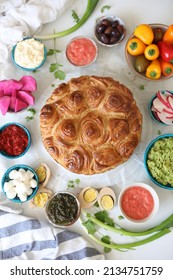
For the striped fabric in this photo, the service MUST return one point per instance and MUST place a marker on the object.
(23, 238)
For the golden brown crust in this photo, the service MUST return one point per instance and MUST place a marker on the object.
(90, 124)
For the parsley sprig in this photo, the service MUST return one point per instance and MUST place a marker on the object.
(55, 67)
(30, 117)
(75, 16)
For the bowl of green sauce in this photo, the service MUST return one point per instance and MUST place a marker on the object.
(63, 209)
(158, 161)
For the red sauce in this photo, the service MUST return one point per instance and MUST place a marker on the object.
(81, 51)
(137, 203)
(13, 140)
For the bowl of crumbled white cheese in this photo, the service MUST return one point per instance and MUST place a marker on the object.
(29, 54)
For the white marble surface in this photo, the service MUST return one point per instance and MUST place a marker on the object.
(111, 62)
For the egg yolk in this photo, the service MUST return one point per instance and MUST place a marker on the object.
(40, 199)
(107, 202)
(90, 195)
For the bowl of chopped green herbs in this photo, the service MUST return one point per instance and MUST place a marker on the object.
(158, 161)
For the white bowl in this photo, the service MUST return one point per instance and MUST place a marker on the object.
(135, 197)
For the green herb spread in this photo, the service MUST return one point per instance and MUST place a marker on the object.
(63, 209)
(160, 161)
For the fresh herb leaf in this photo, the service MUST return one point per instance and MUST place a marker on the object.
(75, 16)
(141, 87)
(159, 132)
(53, 67)
(90, 226)
(120, 217)
(59, 74)
(103, 217)
(32, 111)
(28, 118)
(106, 239)
(52, 51)
(72, 184)
(35, 71)
(106, 7)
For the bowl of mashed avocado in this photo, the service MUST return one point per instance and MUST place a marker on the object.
(158, 161)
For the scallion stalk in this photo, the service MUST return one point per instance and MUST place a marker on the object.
(89, 9)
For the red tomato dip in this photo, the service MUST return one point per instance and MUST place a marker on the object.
(13, 140)
(81, 51)
(137, 203)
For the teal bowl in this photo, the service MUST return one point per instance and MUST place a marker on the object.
(152, 113)
(3, 153)
(151, 144)
(25, 68)
(6, 178)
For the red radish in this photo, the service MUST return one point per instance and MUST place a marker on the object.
(170, 101)
(26, 97)
(4, 104)
(20, 105)
(12, 100)
(162, 98)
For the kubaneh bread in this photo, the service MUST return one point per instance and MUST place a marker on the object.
(90, 124)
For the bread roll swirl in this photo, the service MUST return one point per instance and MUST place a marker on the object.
(91, 124)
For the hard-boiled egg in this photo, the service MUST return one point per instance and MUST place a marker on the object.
(106, 198)
(87, 197)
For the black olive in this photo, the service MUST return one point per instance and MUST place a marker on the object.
(104, 38)
(106, 22)
(108, 30)
(100, 28)
(120, 28)
(114, 23)
(113, 40)
(115, 33)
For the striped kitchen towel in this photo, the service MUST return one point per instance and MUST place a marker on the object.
(24, 238)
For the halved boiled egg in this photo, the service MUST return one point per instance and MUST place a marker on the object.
(43, 173)
(87, 197)
(41, 198)
(106, 198)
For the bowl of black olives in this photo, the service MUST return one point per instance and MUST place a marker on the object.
(110, 30)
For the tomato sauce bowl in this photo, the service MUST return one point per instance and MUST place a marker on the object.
(15, 140)
(138, 202)
(81, 51)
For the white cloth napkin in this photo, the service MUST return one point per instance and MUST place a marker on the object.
(23, 18)
(24, 238)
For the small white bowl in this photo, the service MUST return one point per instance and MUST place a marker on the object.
(110, 18)
(135, 197)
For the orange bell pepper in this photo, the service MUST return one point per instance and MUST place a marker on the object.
(168, 35)
(151, 52)
(154, 70)
(166, 67)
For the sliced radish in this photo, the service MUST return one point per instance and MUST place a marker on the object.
(8, 86)
(162, 98)
(169, 112)
(26, 97)
(158, 105)
(20, 105)
(29, 83)
(4, 104)
(163, 117)
(170, 101)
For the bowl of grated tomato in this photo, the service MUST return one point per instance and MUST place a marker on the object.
(15, 140)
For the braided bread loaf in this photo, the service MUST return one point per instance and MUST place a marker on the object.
(90, 124)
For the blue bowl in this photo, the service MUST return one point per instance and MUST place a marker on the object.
(168, 186)
(6, 178)
(24, 68)
(152, 115)
(27, 133)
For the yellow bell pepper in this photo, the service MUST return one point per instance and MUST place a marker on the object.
(135, 46)
(154, 70)
(145, 33)
(151, 52)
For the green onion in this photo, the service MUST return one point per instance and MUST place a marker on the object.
(89, 9)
